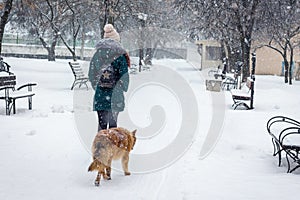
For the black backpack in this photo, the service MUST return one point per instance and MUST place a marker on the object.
(108, 77)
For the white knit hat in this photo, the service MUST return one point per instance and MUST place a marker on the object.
(110, 32)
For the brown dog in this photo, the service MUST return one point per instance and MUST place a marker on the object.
(108, 145)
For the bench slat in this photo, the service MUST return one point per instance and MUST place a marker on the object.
(7, 84)
(80, 74)
(7, 77)
(7, 81)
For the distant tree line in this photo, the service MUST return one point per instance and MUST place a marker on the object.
(68, 21)
(241, 26)
(245, 25)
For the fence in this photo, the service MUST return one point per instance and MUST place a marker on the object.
(21, 39)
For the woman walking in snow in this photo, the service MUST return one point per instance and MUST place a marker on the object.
(108, 74)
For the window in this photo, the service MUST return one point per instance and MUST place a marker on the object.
(213, 53)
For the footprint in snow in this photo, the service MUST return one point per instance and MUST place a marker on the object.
(31, 133)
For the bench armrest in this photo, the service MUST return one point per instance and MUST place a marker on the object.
(27, 85)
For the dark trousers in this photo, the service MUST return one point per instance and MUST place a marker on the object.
(107, 119)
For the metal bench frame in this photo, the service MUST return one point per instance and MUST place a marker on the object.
(240, 97)
(8, 83)
(80, 77)
(289, 127)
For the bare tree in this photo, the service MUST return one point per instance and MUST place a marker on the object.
(5, 8)
(74, 26)
(232, 22)
(107, 11)
(282, 29)
(60, 14)
(40, 19)
(51, 21)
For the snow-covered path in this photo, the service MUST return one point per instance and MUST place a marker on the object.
(43, 156)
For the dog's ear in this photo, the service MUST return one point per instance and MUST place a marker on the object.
(133, 132)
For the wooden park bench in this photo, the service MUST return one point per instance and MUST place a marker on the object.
(80, 78)
(243, 95)
(9, 93)
(285, 134)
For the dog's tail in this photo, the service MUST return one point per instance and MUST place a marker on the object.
(93, 166)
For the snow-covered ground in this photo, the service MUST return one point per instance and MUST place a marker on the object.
(43, 155)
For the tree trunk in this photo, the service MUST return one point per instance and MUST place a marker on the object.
(51, 49)
(246, 61)
(223, 49)
(149, 56)
(82, 44)
(291, 65)
(286, 66)
(51, 53)
(74, 57)
(141, 57)
(75, 31)
(283, 53)
(72, 51)
(246, 49)
(231, 58)
(141, 44)
(149, 50)
(4, 18)
(286, 70)
(106, 16)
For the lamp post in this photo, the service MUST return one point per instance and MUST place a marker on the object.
(142, 19)
(253, 65)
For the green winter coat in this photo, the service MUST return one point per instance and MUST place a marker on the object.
(106, 98)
